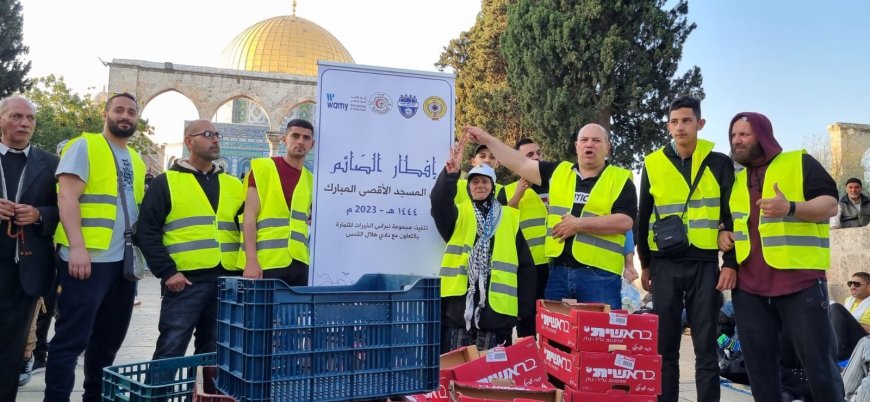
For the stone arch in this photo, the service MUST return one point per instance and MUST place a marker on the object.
(243, 96)
(849, 144)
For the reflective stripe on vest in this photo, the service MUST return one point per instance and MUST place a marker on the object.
(194, 235)
(502, 294)
(99, 200)
(599, 251)
(533, 221)
(669, 190)
(282, 233)
(788, 242)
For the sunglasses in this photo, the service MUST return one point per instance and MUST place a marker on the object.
(208, 134)
(855, 284)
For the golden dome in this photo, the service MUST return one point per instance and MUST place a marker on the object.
(286, 44)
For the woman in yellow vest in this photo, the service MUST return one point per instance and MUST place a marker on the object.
(487, 273)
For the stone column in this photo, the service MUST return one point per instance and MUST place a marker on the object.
(274, 138)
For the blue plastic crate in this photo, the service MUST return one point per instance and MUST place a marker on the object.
(377, 338)
(167, 380)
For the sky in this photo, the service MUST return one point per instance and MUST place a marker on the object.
(802, 63)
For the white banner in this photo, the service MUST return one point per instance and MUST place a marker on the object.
(382, 138)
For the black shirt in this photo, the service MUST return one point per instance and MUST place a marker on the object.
(626, 202)
(723, 171)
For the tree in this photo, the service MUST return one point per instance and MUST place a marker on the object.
(483, 97)
(62, 114)
(574, 62)
(12, 70)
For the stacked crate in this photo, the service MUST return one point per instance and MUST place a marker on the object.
(377, 338)
(598, 353)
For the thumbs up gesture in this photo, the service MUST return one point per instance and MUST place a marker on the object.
(775, 207)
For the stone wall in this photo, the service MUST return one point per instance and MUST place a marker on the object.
(850, 252)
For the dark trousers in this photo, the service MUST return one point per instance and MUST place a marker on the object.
(455, 338)
(801, 317)
(16, 311)
(92, 316)
(847, 330)
(295, 274)
(43, 321)
(526, 325)
(689, 284)
(194, 308)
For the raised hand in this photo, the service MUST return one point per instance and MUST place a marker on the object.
(775, 207)
(454, 158)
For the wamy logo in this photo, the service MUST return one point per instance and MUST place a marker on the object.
(380, 103)
(408, 105)
(331, 103)
(435, 107)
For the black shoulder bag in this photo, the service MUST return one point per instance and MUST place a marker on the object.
(669, 233)
(129, 257)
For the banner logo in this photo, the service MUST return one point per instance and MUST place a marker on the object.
(331, 103)
(435, 107)
(380, 103)
(408, 105)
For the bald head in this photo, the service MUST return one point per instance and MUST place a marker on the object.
(198, 126)
(594, 128)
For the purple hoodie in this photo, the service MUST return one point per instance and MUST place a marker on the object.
(755, 275)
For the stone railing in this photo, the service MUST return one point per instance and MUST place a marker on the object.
(850, 252)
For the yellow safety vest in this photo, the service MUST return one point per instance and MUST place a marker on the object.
(194, 235)
(282, 234)
(502, 296)
(533, 221)
(99, 200)
(670, 190)
(462, 191)
(599, 251)
(787, 242)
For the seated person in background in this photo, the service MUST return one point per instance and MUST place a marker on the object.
(851, 320)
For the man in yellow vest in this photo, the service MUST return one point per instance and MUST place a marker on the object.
(277, 207)
(531, 200)
(689, 278)
(487, 272)
(592, 205)
(482, 155)
(780, 205)
(188, 233)
(101, 182)
(852, 318)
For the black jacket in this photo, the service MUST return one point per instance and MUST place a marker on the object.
(851, 217)
(39, 189)
(722, 169)
(152, 215)
(444, 212)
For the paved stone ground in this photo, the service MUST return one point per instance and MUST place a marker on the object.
(142, 336)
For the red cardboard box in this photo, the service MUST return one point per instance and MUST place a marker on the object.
(519, 363)
(449, 361)
(614, 395)
(592, 327)
(601, 371)
(480, 392)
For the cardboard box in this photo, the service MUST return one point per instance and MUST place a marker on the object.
(614, 395)
(591, 327)
(449, 361)
(519, 363)
(482, 392)
(601, 371)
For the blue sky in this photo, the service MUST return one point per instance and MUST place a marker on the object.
(803, 64)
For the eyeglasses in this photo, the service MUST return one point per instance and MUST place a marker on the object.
(208, 134)
(854, 284)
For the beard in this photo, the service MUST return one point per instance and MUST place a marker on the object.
(120, 132)
(746, 158)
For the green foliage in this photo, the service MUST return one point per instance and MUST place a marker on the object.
(63, 114)
(611, 62)
(483, 97)
(12, 69)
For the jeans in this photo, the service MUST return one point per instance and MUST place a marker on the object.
(801, 316)
(194, 308)
(586, 284)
